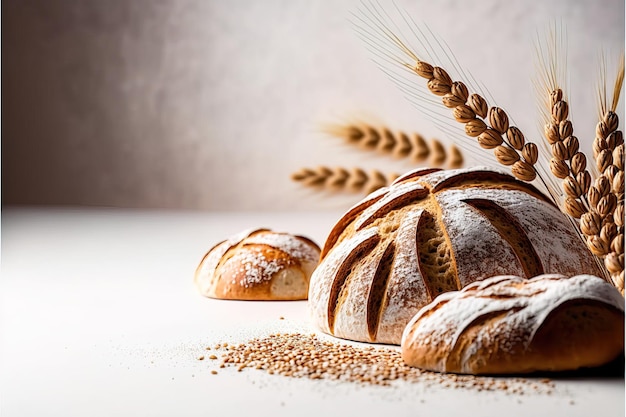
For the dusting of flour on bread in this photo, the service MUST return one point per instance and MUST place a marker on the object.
(497, 320)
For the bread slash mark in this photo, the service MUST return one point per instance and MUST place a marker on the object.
(476, 179)
(342, 274)
(348, 218)
(400, 196)
(434, 260)
(510, 229)
(378, 291)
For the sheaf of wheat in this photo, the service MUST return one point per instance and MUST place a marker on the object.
(590, 193)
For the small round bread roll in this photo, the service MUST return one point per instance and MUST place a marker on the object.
(510, 325)
(258, 265)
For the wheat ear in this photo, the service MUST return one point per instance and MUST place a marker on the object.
(341, 179)
(398, 144)
(569, 165)
(490, 125)
(567, 162)
(605, 220)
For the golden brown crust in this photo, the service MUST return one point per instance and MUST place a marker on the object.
(597, 327)
(258, 265)
(508, 325)
(348, 218)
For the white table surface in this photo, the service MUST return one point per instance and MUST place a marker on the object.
(99, 317)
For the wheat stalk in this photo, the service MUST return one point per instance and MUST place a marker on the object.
(596, 205)
(342, 179)
(490, 125)
(567, 163)
(398, 144)
(605, 221)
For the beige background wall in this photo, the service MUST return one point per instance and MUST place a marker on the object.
(211, 105)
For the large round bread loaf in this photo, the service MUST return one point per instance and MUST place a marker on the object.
(507, 324)
(429, 232)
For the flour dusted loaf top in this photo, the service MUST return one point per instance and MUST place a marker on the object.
(258, 265)
(507, 324)
(429, 232)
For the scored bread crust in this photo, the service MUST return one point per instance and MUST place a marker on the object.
(258, 264)
(511, 325)
(429, 232)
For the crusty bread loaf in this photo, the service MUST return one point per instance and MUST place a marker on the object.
(430, 232)
(507, 324)
(258, 265)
